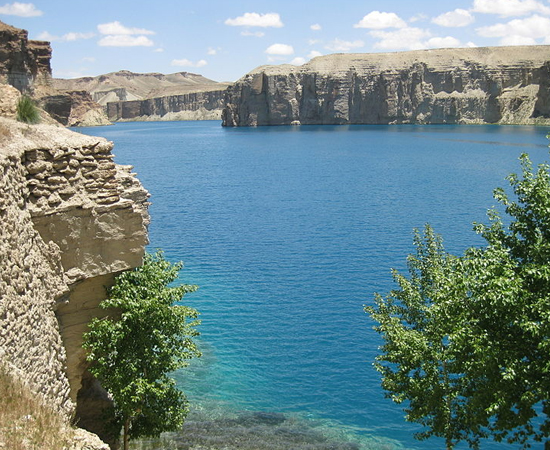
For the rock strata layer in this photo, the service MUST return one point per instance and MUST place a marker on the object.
(203, 105)
(70, 220)
(25, 65)
(506, 85)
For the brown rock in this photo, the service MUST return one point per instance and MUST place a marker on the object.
(469, 85)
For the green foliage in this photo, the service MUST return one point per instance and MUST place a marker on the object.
(145, 336)
(418, 361)
(467, 339)
(27, 111)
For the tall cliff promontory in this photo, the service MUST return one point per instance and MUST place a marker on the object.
(70, 220)
(25, 65)
(470, 85)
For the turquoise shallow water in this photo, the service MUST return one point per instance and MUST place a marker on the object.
(289, 231)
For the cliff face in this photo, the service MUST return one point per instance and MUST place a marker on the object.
(71, 220)
(477, 85)
(126, 86)
(24, 64)
(74, 108)
(203, 105)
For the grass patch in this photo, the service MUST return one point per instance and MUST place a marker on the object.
(26, 422)
(27, 111)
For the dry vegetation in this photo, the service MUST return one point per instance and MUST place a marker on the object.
(26, 423)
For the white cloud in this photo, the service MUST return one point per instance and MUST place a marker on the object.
(509, 8)
(211, 51)
(280, 49)
(313, 41)
(531, 28)
(256, 20)
(188, 63)
(403, 39)
(418, 17)
(298, 61)
(159, 50)
(457, 18)
(116, 28)
(337, 45)
(470, 44)
(118, 35)
(88, 59)
(69, 37)
(124, 40)
(20, 9)
(316, 27)
(377, 20)
(313, 54)
(517, 40)
(442, 42)
(253, 33)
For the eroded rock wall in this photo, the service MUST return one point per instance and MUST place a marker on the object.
(24, 64)
(478, 85)
(71, 219)
(203, 105)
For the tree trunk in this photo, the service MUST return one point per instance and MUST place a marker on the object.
(125, 436)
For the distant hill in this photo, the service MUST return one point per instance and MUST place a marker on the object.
(127, 86)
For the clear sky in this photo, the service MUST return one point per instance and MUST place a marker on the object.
(225, 39)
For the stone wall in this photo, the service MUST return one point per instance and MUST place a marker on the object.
(474, 85)
(71, 219)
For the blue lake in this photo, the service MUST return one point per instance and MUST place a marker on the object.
(289, 231)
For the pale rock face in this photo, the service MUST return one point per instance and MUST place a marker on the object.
(71, 219)
(203, 105)
(9, 96)
(477, 85)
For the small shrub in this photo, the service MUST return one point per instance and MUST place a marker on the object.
(27, 111)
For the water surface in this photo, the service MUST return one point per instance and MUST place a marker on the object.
(289, 231)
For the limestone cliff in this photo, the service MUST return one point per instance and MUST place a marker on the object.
(70, 220)
(25, 65)
(202, 105)
(74, 108)
(473, 85)
(152, 96)
(125, 85)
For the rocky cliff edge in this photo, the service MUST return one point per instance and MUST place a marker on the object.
(505, 85)
(70, 220)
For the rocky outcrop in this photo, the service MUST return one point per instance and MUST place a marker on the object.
(203, 105)
(71, 219)
(127, 86)
(74, 109)
(473, 85)
(24, 64)
(153, 96)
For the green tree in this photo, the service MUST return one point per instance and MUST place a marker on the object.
(144, 338)
(512, 304)
(467, 339)
(418, 362)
